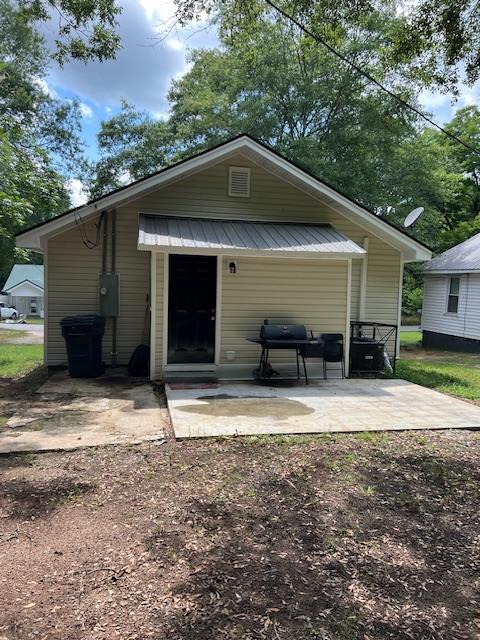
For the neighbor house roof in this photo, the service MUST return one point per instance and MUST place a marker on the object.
(32, 273)
(463, 257)
(256, 152)
(239, 237)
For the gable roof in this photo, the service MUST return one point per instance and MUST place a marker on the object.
(32, 273)
(463, 257)
(258, 153)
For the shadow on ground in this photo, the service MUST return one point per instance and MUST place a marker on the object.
(389, 555)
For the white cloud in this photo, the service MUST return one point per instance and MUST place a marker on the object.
(159, 11)
(85, 110)
(77, 192)
(175, 44)
(470, 96)
(140, 73)
(45, 87)
(434, 100)
(444, 106)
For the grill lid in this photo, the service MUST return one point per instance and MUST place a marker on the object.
(283, 332)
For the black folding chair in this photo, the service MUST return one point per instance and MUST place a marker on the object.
(333, 351)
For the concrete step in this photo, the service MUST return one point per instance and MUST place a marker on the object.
(190, 376)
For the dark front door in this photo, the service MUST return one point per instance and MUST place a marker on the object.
(191, 308)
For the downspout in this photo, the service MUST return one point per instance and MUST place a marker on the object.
(113, 267)
(105, 238)
(363, 282)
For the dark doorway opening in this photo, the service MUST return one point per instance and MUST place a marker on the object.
(191, 309)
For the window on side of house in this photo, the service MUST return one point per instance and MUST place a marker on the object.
(453, 295)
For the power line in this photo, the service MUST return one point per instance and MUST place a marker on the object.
(370, 78)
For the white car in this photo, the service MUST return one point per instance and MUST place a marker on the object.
(6, 311)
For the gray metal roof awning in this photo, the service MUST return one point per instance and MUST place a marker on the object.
(194, 235)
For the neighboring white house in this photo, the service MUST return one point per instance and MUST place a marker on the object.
(24, 287)
(451, 305)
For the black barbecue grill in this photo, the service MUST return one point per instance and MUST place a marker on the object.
(285, 336)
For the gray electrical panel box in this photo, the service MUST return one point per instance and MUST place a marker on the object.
(109, 295)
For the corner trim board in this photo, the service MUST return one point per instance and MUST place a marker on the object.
(399, 304)
(153, 314)
(166, 274)
(218, 310)
(363, 282)
(347, 318)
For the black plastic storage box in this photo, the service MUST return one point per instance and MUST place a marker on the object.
(366, 356)
(83, 338)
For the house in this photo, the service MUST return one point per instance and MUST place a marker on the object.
(24, 287)
(219, 242)
(451, 304)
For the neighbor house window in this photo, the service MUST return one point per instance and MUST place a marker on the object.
(453, 293)
(33, 306)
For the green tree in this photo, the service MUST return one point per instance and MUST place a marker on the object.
(273, 83)
(132, 145)
(86, 29)
(437, 41)
(444, 177)
(38, 134)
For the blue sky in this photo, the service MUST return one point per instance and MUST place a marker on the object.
(146, 65)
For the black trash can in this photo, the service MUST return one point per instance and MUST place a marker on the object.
(83, 338)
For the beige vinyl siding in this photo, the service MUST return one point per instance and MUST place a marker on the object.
(133, 267)
(275, 288)
(465, 323)
(206, 194)
(72, 287)
(310, 292)
(382, 283)
(159, 306)
(72, 284)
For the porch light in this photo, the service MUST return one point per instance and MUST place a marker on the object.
(232, 267)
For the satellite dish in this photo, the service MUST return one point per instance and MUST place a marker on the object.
(413, 216)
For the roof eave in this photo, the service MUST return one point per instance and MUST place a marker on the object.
(19, 284)
(439, 272)
(33, 238)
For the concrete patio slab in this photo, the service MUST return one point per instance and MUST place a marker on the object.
(323, 406)
(71, 413)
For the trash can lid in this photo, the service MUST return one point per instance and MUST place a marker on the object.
(70, 321)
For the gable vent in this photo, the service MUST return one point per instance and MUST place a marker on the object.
(239, 182)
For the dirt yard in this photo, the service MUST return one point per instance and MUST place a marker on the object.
(366, 537)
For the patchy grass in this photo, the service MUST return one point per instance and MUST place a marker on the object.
(410, 338)
(290, 440)
(34, 320)
(10, 337)
(374, 437)
(457, 374)
(19, 359)
(245, 539)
